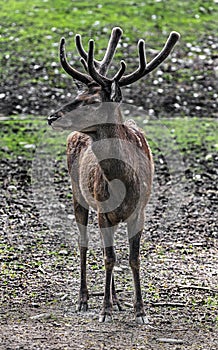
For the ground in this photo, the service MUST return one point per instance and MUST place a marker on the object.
(38, 242)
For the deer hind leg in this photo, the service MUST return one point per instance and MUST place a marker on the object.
(134, 260)
(107, 233)
(81, 215)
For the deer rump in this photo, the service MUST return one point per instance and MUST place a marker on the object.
(134, 169)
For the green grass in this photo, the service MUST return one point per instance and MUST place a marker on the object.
(35, 27)
(185, 135)
(20, 136)
(30, 32)
(182, 134)
(201, 132)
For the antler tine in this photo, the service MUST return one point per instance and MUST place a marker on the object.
(81, 50)
(138, 73)
(100, 79)
(121, 71)
(98, 69)
(170, 43)
(111, 48)
(80, 47)
(164, 53)
(84, 63)
(84, 78)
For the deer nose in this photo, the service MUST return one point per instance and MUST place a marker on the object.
(53, 117)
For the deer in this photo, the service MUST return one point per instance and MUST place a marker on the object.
(109, 161)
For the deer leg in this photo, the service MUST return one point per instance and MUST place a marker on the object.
(81, 215)
(109, 261)
(114, 295)
(107, 233)
(115, 299)
(134, 260)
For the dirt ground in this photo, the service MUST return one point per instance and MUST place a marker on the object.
(40, 263)
(41, 272)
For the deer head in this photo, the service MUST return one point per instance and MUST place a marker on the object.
(98, 87)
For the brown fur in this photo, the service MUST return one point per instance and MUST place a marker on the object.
(82, 161)
(110, 162)
(111, 169)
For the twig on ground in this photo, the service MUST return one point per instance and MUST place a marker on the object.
(206, 289)
(169, 304)
(170, 340)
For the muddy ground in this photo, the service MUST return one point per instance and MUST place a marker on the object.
(39, 256)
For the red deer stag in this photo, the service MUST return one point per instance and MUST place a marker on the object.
(109, 161)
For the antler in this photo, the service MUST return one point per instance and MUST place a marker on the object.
(96, 76)
(111, 49)
(143, 68)
(103, 65)
(97, 69)
(84, 78)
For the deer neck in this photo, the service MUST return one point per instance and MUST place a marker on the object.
(107, 143)
(117, 171)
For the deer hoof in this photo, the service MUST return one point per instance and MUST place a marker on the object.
(105, 318)
(83, 306)
(142, 319)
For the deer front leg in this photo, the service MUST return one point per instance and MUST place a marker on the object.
(81, 215)
(134, 260)
(107, 233)
(115, 299)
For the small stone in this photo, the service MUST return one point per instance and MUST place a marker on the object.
(29, 146)
(44, 315)
(63, 252)
(12, 188)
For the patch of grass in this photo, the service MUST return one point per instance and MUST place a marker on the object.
(212, 301)
(183, 134)
(19, 136)
(22, 137)
(35, 27)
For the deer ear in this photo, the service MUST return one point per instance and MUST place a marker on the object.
(116, 95)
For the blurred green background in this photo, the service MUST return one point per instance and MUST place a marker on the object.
(37, 25)
(32, 82)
